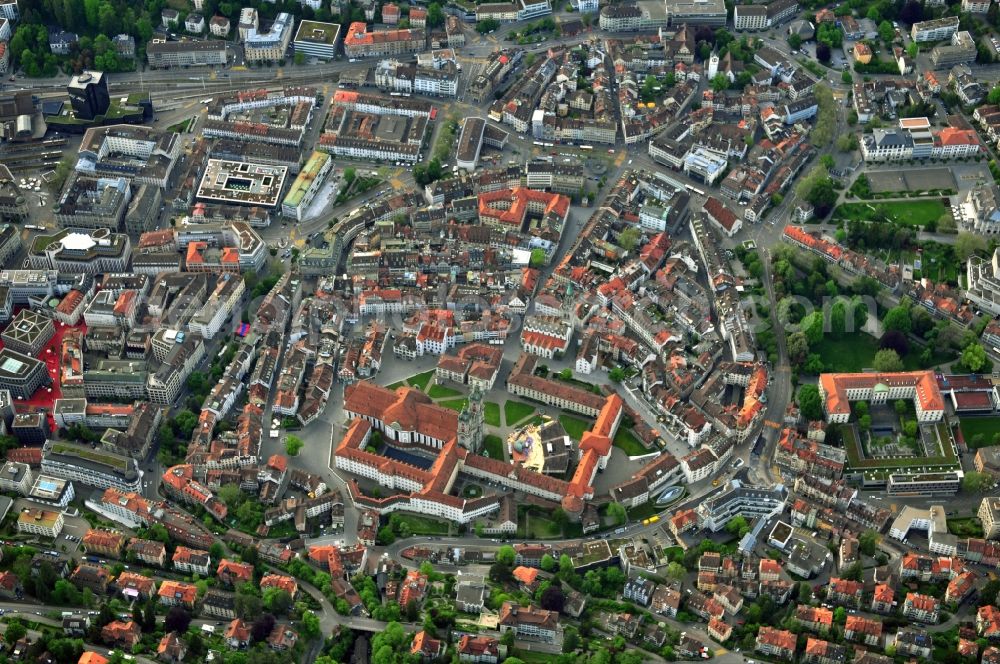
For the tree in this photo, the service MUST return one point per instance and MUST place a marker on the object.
(720, 82)
(975, 482)
(895, 340)
(969, 244)
(989, 592)
(888, 360)
(676, 571)
(868, 542)
(805, 592)
(617, 374)
(865, 422)
(548, 563)
(812, 327)
(309, 627)
(886, 31)
(628, 238)
(809, 402)
(897, 318)
(845, 77)
(487, 25)
(974, 357)
(177, 620)
(248, 606)
(617, 512)
(552, 598)
(15, 631)
(506, 555)
(840, 615)
(500, 573)
(293, 445)
(184, 423)
(435, 15)
(823, 52)
(795, 40)
(738, 526)
(299, 58)
(262, 627)
(277, 600)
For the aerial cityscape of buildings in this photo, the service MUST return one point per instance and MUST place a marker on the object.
(633, 331)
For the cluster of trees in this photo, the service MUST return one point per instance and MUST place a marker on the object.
(817, 187)
(248, 511)
(176, 431)
(487, 25)
(432, 172)
(29, 48)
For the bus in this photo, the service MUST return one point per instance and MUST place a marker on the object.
(206, 101)
(694, 190)
(586, 147)
(654, 519)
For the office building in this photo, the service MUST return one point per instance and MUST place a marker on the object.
(41, 522)
(306, 185)
(89, 202)
(162, 54)
(21, 374)
(270, 45)
(28, 332)
(88, 94)
(96, 468)
(317, 40)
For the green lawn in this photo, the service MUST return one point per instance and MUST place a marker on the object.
(643, 511)
(574, 427)
(472, 491)
(851, 353)
(493, 446)
(454, 404)
(987, 426)
(491, 413)
(907, 213)
(395, 386)
(420, 380)
(970, 527)
(536, 526)
(515, 411)
(629, 444)
(441, 392)
(422, 525)
(856, 351)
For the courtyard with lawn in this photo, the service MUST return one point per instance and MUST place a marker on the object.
(491, 413)
(575, 427)
(629, 443)
(493, 447)
(980, 431)
(905, 213)
(855, 352)
(515, 411)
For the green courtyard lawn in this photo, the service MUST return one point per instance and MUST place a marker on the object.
(454, 404)
(850, 353)
(420, 380)
(906, 213)
(970, 527)
(422, 525)
(628, 443)
(493, 445)
(532, 524)
(574, 427)
(856, 351)
(973, 426)
(442, 392)
(515, 411)
(491, 413)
